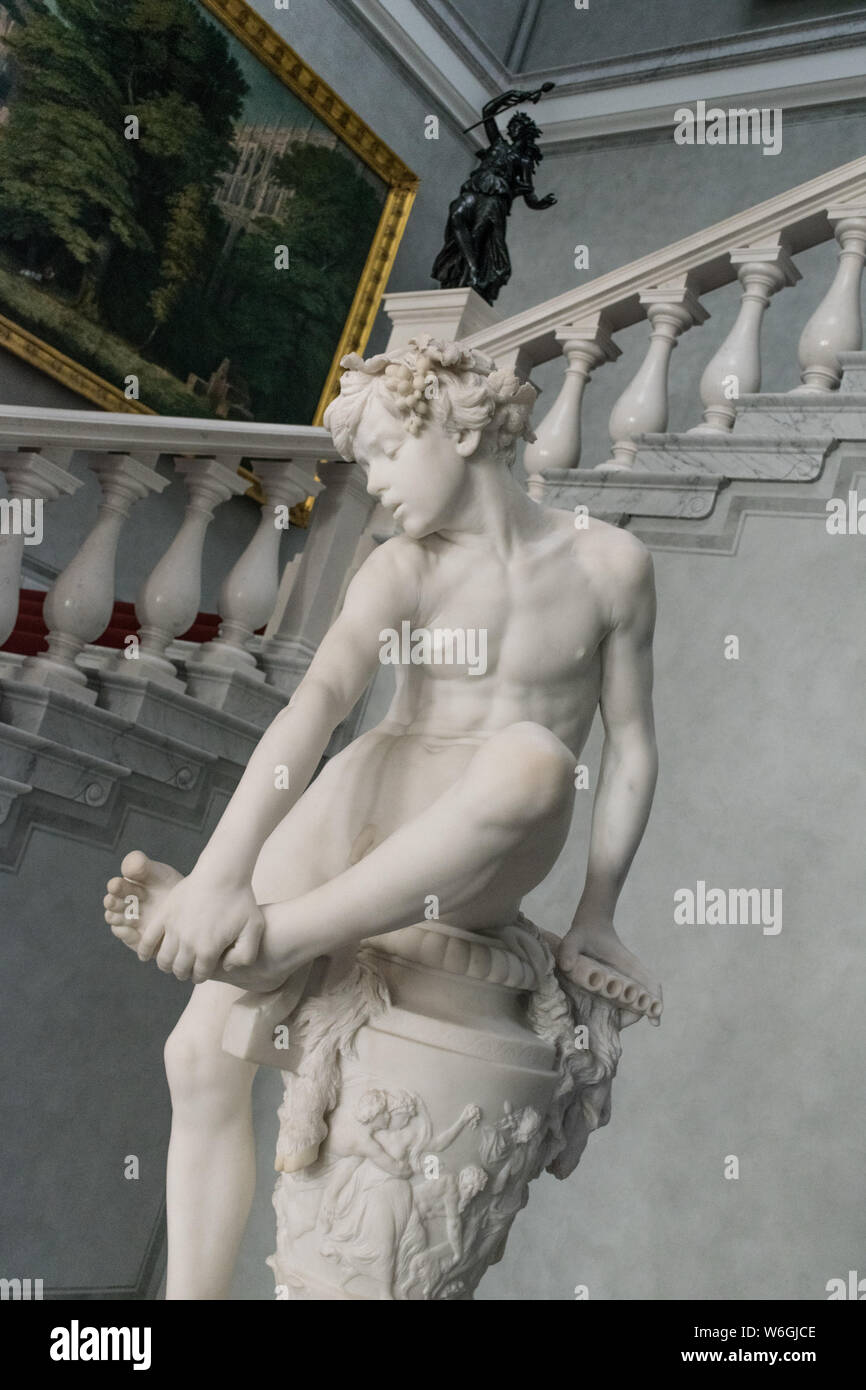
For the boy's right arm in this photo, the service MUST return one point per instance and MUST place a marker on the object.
(209, 910)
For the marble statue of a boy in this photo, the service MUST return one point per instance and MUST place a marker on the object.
(462, 793)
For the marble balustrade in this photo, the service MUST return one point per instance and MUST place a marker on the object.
(43, 455)
(756, 247)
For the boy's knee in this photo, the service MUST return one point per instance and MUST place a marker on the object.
(533, 772)
(197, 1068)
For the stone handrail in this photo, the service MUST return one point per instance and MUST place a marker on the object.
(799, 218)
(34, 427)
(36, 445)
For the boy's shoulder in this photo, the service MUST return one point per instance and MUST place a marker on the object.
(615, 563)
(625, 555)
(396, 562)
(605, 549)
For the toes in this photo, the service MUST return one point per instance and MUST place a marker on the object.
(128, 935)
(163, 874)
(609, 984)
(126, 888)
(136, 865)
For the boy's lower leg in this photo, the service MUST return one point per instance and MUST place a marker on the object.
(211, 1158)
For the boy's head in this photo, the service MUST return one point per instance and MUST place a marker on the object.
(433, 382)
(418, 418)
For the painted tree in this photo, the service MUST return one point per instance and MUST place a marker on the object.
(65, 177)
(282, 325)
(71, 181)
(181, 263)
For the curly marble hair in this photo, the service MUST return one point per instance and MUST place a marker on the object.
(430, 380)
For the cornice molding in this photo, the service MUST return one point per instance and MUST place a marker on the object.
(766, 67)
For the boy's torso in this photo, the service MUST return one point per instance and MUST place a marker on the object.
(537, 619)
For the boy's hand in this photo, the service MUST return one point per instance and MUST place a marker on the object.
(199, 920)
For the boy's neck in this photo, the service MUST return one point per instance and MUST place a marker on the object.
(496, 513)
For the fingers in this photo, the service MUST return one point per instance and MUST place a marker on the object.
(204, 965)
(151, 936)
(246, 947)
(175, 957)
(243, 950)
(183, 962)
(167, 952)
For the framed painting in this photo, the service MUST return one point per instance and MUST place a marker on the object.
(191, 221)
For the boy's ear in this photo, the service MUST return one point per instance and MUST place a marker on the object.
(467, 442)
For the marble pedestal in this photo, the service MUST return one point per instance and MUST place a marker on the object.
(423, 1092)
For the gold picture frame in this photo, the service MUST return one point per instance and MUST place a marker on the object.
(275, 54)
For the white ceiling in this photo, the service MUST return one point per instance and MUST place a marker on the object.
(609, 81)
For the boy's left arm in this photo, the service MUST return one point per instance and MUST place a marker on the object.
(629, 761)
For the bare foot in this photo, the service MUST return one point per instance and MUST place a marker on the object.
(131, 901)
(595, 959)
(271, 968)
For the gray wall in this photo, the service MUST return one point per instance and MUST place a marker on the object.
(82, 1033)
(759, 1051)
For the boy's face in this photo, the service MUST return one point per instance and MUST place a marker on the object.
(421, 478)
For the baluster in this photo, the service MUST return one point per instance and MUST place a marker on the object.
(79, 605)
(29, 477)
(339, 517)
(836, 324)
(736, 367)
(169, 599)
(585, 345)
(643, 406)
(249, 591)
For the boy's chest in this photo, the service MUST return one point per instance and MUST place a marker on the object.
(534, 625)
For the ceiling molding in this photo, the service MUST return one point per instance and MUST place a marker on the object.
(782, 41)
(522, 36)
(462, 39)
(423, 53)
(767, 67)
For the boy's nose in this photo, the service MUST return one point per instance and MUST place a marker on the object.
(376, 483)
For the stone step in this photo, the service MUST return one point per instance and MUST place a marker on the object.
(65, 771)
(802, 416)
(729, 456)
(615, 493)
(853, 373)
(66, 721)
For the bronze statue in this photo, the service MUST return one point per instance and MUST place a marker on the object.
(475, 252)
